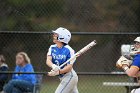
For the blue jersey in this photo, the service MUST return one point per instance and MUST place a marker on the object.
(28, 77)
(136, 61)
(60, 55)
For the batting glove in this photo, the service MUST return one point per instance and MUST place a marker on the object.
(53, 73)
(55, 67)
(123, 61)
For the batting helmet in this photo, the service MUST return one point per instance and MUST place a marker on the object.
(64, 35)
(137, 39)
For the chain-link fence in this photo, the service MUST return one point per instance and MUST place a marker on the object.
(92, 66)
(107, 21)
(77, 15)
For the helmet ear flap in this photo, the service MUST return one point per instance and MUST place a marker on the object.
(60, 37)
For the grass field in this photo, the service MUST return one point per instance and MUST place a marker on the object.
(87, 84)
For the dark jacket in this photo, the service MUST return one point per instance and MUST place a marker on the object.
(3, 77)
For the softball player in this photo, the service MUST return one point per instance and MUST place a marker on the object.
(134, 69)
(59, 53)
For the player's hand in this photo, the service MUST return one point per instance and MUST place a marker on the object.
(55, 67)
(123, 61)
(53, 73)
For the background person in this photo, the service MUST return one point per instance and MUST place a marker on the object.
(132, 68)
(3, 67)
(57, 55)
(21, 83)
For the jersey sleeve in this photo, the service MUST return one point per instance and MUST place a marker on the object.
(136, 62)
(71, 54)
(49, 51)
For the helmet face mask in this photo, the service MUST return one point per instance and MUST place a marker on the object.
(137, 43)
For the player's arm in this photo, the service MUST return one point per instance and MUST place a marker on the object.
(49, 61)
(66, 69)
(133, 71)
(69, 66)
(49, 58)
(138, 75)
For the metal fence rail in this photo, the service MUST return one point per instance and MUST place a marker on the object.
(73, 33)
(26, 25)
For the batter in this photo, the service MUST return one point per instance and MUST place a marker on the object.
(59, 53)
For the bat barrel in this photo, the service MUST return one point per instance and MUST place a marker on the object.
(87, 47)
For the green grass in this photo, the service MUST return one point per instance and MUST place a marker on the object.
(87, 84)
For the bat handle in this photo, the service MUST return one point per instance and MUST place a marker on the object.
(74, 56)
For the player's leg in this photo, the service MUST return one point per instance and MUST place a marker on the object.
(136, 90)
(67, 84)
(75, 90)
